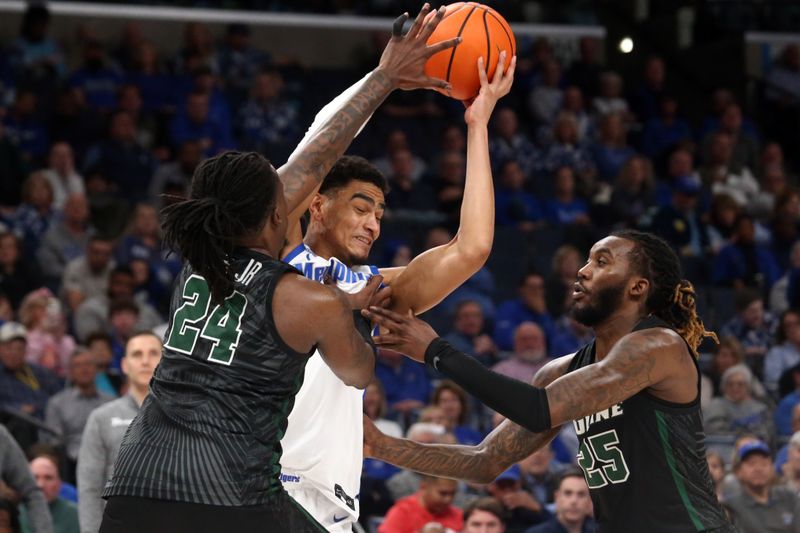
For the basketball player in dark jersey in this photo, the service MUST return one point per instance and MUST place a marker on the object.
(633, 395)
(204, 452)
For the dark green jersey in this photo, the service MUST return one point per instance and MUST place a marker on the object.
(644, 461)
(210, 430)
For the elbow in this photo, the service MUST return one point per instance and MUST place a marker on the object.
(360, 382)
(475, 254)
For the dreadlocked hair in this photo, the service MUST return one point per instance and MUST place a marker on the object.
(232, 196)
(671, 298)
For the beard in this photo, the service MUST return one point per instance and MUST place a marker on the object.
(603, 303)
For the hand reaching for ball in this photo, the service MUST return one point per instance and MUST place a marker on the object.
(404, 57)
(480, 109)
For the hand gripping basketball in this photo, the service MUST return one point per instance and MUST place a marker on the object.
(480, 109)
(404, 57)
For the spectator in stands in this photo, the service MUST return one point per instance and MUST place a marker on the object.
(63, 178)
(720, 100)
(559, 285)
(567, 150)
(752, 326)
(34, 56)
(736, 412)
(35, 214)
(716, 467)
(63, 513)
(92, 314)
(75, 123)
(397, 141)
(175, 175)
(530, 306)
(239, 63)
(106, 426)
(783, 85)
(469, 332)
(69, 410)
(529, 353)
(143, 239)
(123, 315)
(120, 158)
(743, 262)
(744, 147)
(6, 312)
(155, 85)
(633, 193)
(49, 345)
(514, 206)
(573, 506)
(585, 71)
(18, 275)
(646, 97)
(773, 183)
(19, 484)
(729, 352)
(484, 515)
(786, 352)
(449, 184)
(680, 223)
(454, 403)
(408, 199)
(508, 142)
(268, 121)
(546, 98)
(723, 214)
(129, 100)
(87, 276)
(24, 127)
(375, 407)
(570, 335)
(540, 474)
(25, 387)
(610, 99)
(574, 103)
(433, 503)
(762, 506)
(125, 52)
(407, 482)
(779, 294)
(14, 171)
(611, 151)
(65, 239)
(666, 131)
(198, 49)
(195, 123)
(788, 464)
(787, 406)
(521, 508)
(97, 78)
(565, 207)
(679, 164)
(108, 380)
(406, 383)
(721, 175)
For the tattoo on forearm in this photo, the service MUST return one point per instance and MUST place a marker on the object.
(310, 167)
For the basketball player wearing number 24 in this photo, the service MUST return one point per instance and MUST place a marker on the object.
(345, 217)
(633, 395)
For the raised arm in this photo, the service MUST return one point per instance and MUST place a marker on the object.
(401, 66)
(506, 445)
(651, 358)
(436, 273)
(344, 348)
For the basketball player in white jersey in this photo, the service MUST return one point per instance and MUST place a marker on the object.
(322, 447)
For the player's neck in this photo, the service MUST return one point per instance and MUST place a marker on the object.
(321, 247)
(613, 329)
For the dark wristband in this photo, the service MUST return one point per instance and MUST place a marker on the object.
(522, 403)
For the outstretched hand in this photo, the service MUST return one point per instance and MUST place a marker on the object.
(479, 110)
(406, 333)
(404, 57)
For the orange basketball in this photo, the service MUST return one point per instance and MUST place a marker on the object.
(484, 32)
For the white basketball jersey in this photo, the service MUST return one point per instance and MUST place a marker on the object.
(323, 444)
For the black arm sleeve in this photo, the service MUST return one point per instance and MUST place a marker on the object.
(522, 403)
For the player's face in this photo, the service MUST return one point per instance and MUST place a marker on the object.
(602, 281)
(142, 355)
(572, 499)
(483, 522)
(352, 220)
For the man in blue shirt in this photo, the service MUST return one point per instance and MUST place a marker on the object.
(194, 123)
(406, 383)
(530, 306)
(573, 507)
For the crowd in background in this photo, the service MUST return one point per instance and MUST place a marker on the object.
(91, 147)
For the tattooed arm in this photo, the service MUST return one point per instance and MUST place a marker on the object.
(506, 445)
(401, 66)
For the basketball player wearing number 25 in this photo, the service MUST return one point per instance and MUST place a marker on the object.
(322, 448)
(633, 395)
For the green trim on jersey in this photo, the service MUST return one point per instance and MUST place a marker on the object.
(663, 433)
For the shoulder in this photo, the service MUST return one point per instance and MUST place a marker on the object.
(650, 340)
(553, 370)
(110, 408)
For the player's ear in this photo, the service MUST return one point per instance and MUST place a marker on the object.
(316, 206)
(640, 287)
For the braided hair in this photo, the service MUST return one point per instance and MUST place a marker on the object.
(232, 196)
(671, 297)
